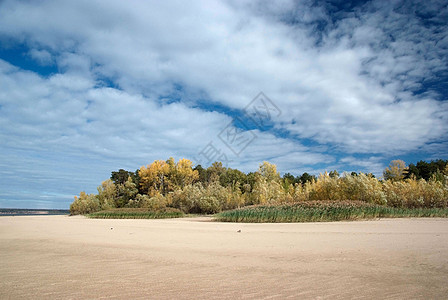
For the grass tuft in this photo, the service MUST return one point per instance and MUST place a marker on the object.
(136, 213)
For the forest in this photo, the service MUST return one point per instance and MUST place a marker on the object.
(170, 186)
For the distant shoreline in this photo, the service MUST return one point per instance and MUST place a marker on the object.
(32, 212)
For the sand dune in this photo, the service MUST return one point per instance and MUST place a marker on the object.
(74, 257)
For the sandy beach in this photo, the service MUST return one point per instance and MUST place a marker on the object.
(75, 257)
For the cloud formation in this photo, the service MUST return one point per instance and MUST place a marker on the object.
(357, 85)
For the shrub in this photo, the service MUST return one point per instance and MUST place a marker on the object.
(414, 193)
(186, 199)
(267, 192)
(107, 194)
(361, 187)
(325, 188)
(84, 204)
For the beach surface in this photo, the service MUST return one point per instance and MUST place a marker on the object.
(45, 257)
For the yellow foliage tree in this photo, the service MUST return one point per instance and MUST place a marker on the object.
(162, 177)
(396, 171)
(154, 177)
(107, 194)
(269, 171)
(183, 174)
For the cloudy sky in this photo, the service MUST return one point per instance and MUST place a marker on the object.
(88, 87)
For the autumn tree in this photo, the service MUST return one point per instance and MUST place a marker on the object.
(267, 188)
(107, 194)
(396, 171)
(269, 171)
(84, 204)
(153, 177)
(182, 173)
(162, 177)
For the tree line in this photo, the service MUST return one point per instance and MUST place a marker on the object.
(179, 185)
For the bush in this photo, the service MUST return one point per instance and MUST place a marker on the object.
(206, 200)
(414, 193)
(267, 192)
(85, 204)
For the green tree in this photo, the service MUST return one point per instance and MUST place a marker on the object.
(232, 177)
(334, 174)
(251, 179)
(126, 192)
(288, 178)
(202, 173)
(120, 177)
(307, 178)
(215, 171)
(425, 169)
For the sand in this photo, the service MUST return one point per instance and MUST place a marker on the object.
(75, 257)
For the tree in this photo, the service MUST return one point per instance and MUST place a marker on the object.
(396, 171)
(307, 178)
(269, 171)
(202, 174)
(162, 177)
(250, 181)
(107, 194)
(334, 174)
(120, 177)
(215, 171)
(182, 174)
(413, 171)
(288, 178)
(426, 170)
(232, 177)
(126, 192)
(153, 178)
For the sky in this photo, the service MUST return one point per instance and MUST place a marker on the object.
(88, 87)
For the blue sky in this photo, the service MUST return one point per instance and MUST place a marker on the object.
(89, 87)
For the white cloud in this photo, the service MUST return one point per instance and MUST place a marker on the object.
(346, 81)
(43, 57)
